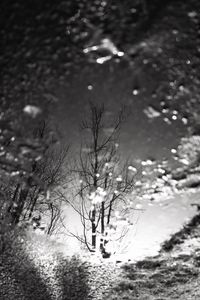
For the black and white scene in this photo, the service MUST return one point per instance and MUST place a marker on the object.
(99, 150)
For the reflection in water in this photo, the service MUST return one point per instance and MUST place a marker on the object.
(104, 51)
(114, 57)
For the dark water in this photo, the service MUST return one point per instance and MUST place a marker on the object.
(42, 58)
